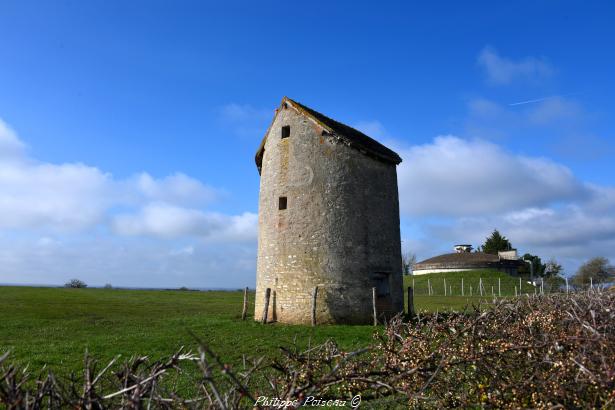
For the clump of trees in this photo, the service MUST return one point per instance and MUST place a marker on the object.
(76, 284)
(597, 270)
(496, 242)
(550, 272)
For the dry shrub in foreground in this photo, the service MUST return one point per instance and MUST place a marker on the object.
(536, 352)
(553, 351)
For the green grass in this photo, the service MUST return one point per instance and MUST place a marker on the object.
(54, 326)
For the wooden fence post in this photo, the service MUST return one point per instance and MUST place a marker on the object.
(266, 308)
(314, 295)
(444, 286)
(515, 290)
(470, 290)
(411, 301)
(542, 286)
(245, 304)
(462, 294)
(499, 288)
(480, 286)
(566, 285)
(374, 305)
(520, 286)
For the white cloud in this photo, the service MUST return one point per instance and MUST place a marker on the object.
(10, 146)
(455, 190)
(501, 70)
(52, 217)
(77, 197)
(163, 220)
(59, 197)
(73, 197)
(168, 221)
(571, 233)
(529, 214)
(176, 188)
(456, 177)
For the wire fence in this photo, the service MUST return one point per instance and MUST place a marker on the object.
(487, 286)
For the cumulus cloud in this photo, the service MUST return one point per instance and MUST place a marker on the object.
(74, 197)
(571, 233)
(168, 221)
(52, 217)
(501, 70)
(77, 197)
(59, 197)
(455, 190)
(177, 188)
(457, 177)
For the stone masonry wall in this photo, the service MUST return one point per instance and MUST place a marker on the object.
(340, 228)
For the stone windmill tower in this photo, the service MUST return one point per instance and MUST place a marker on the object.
(328, 218)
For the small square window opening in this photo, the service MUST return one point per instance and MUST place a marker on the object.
(283, 203)
(286, 131)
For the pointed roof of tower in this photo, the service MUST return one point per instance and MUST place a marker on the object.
(351, 136)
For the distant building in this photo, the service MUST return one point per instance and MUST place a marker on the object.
(463, 259)
(328, 218)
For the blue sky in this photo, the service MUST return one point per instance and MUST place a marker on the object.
(129, 129)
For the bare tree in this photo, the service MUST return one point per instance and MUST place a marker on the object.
(596, 270)
(408, 260)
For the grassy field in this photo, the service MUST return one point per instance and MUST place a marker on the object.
(54, 326)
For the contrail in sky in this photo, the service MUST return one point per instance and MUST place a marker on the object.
(530, 101)
(540, 99)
